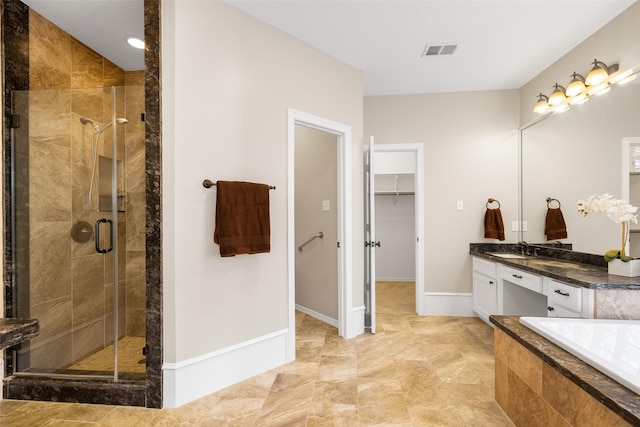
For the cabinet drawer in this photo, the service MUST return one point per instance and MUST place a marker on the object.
(564, 295)
(485, 267)
(521, 278)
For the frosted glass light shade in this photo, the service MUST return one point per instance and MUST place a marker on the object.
(542, 105)
(576, 86)
(558, 96)
(596, 76)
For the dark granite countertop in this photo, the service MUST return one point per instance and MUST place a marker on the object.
(576, 268)
(609, 392)
(15, 331)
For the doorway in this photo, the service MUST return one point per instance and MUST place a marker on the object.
(316, 223)
(398, 170)
(342, 134)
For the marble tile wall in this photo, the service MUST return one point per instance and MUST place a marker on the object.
(71, 286)
(617, 304)
(533, 393)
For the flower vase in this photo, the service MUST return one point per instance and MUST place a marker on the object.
(626, 269)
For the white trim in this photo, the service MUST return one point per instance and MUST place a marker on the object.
(448, 304)
(357, 323)
(191, 379)
(395, 279)
(417, 148)
(323, 318)
(345, 286)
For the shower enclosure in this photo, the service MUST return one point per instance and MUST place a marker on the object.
(78, 223)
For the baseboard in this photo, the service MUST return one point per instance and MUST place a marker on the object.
(447, 304)
(189, 380)
(357, 322)
(316, 315)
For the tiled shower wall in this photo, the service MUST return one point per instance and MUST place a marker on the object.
(71, 286)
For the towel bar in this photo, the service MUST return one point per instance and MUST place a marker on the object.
(207, 183)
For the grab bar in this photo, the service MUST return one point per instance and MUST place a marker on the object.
(320, 235)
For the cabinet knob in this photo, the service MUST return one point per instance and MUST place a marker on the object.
(549, 308)
(491, 282)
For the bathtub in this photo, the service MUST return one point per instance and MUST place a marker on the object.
(610, 346)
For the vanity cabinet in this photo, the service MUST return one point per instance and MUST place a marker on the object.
(485, 294)
(520, 293)
(564, 300)
(504, 290)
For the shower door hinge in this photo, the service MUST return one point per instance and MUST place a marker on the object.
(14, 121)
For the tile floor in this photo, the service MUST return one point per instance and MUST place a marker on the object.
(415, 371)
(129, 357)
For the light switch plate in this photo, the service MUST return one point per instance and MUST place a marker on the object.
(460, 205)
(326, 206)
(514, 225)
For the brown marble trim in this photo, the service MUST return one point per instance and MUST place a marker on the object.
(76, 391)
(15, 58)
(15, 331)
(610, 393)
(153, 160)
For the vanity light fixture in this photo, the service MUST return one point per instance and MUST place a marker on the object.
(598, 81)
(576, 86)
(599, 73)
(135, 42)
(557, 97)
(542, 105)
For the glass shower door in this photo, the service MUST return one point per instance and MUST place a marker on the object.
(69, 230)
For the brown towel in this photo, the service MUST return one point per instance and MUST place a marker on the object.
(242, 218)
(493, 226)
(554, 226)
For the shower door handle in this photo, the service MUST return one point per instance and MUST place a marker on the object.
(98, 248)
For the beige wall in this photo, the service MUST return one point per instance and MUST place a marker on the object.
(470, 154)
(316, 180)
(228, 81)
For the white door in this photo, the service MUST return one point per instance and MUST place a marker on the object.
(370, 243)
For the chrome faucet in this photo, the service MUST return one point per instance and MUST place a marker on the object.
(524, 248)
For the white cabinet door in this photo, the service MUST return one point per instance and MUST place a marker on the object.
(485, 296)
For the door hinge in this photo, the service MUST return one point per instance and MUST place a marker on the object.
(338, 244)
(14, 121)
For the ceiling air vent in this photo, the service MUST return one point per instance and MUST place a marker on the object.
(439, 49)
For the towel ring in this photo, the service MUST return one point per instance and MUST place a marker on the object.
(550, 200)
(491, 200)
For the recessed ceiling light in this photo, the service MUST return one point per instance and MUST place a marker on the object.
(135, 42)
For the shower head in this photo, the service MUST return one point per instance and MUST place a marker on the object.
(120, 121)
(84, 121)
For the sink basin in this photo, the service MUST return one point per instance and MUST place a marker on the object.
(510, 256)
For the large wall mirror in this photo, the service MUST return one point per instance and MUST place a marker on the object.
(572, 155)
